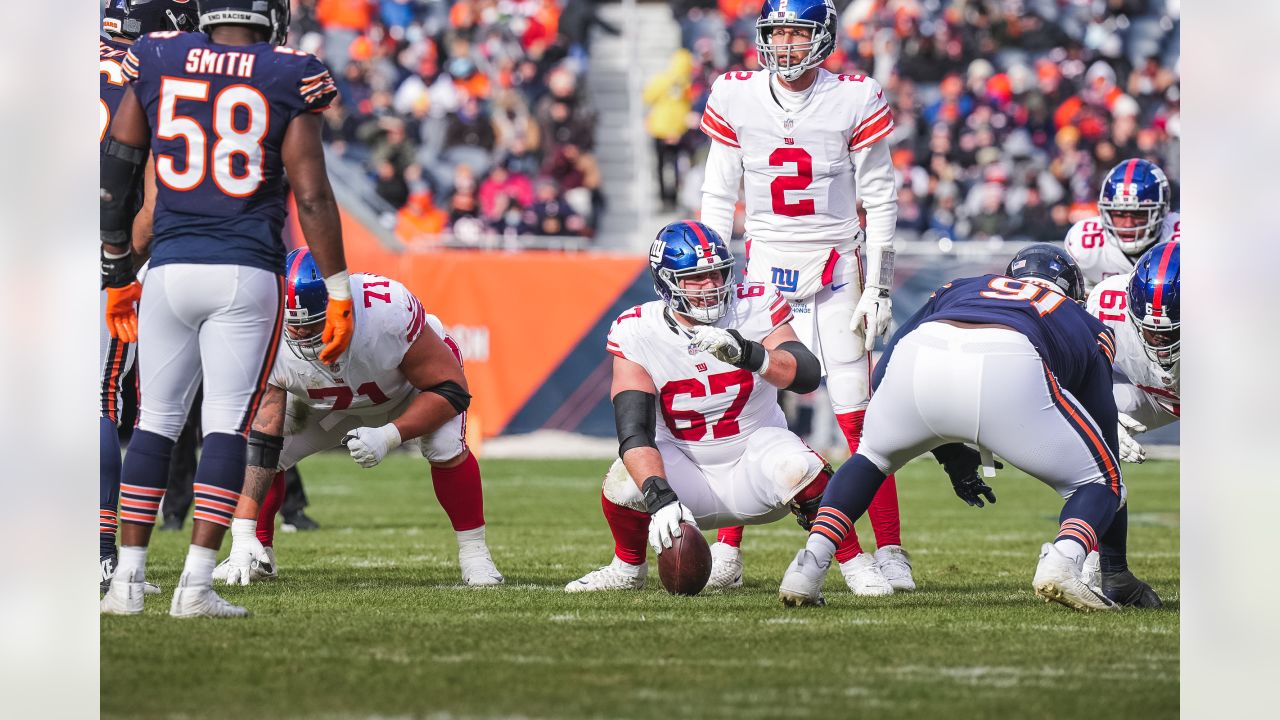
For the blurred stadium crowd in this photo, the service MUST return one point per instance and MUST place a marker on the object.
(1008, 112)
(469, 116)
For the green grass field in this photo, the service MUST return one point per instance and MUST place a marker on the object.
(369, 618)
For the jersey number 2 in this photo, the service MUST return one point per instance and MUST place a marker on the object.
(727, 425)
(800, 181)
(231, 140)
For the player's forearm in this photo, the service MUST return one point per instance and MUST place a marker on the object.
(257, 481)
(643, 463)
(720, 188)
(878, 192)
(781, 370)
(322, 228)
(427, 413)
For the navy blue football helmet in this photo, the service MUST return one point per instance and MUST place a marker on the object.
(1137, 191)
(1043, 261)
(819, 16)
(131, 19)
(305, 301)
(1154, 303)
(684, 249)
(269, 15)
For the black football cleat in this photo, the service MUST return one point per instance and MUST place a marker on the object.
(298, 522)
(1123, 588)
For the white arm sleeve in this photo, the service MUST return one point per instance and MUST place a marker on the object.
(720, 188)
(877, 189)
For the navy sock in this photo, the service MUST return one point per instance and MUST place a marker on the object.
(849, 492)
(108, 485)
(1114, 544)
(219, 477)
(143, 477)
(1087, 514)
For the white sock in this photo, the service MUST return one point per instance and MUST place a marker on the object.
(1073, 550)
(131, 565)
(625, 567)
(821, 548)
(199, 566)
(471, 538)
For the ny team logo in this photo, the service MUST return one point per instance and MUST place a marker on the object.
(786, 279)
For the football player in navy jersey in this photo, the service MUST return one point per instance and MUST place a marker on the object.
(124, 21)
(1013, 364)
(224, 112)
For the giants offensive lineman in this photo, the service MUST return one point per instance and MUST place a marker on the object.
(811, 145)
(124, 21)
(1133, 215)
(708, 358)
(394, 383)
(225, 112)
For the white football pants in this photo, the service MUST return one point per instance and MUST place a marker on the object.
(219, 322)
(828, 285)
(988, 387)
(752, 489)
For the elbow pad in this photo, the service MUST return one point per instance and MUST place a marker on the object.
(264, 450)
(121, 170)
(635, 414)
(808, 369)
(453, 393)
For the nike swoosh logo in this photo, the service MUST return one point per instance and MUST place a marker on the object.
(835, 287)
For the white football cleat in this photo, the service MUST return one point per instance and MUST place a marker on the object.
(477, 566)
(201, 601)
(261, 567)
(726, 567)
(617, 575)
(802, 582)
(1091, 573)
(123, 598)
(863, 576)
(895, 565)
(1058, 580)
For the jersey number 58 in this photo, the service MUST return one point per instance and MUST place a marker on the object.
(234, 137)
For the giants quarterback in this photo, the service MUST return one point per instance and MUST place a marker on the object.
(809, 145)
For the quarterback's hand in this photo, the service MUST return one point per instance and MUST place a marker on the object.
(1130, 450)
(872, 315)
(338, 327)
(961, 464)
(368, 445)
(122, 313)
(665, 524)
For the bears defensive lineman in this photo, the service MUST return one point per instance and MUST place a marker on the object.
(1133, 215)
(708, 358)
(124, 21)
(810, 146)
(225, 112)
(401, 379)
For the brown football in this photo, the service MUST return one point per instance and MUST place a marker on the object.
(685, 566)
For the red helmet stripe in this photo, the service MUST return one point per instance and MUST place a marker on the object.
(702, 238)
(290, 300)
(1156, 300)
(1128, 171)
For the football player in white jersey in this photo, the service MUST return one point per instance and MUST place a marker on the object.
(1144, 310)
(400, 379)
(1133, 215)
(808, 146)
(708, 358)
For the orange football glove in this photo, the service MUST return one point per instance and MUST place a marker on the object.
(338, 327)
(122, 313)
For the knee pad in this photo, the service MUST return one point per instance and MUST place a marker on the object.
(784, 459)
(620, 489)
(442, 446)
(849, 385)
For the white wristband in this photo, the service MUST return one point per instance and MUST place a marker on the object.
(339, 285)
(391, 436)
(764, 366)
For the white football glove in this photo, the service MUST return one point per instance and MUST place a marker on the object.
(716, 341)
(872, 315)
(1130, 450)
(368, 445)
(245, 548)
(665, 524)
